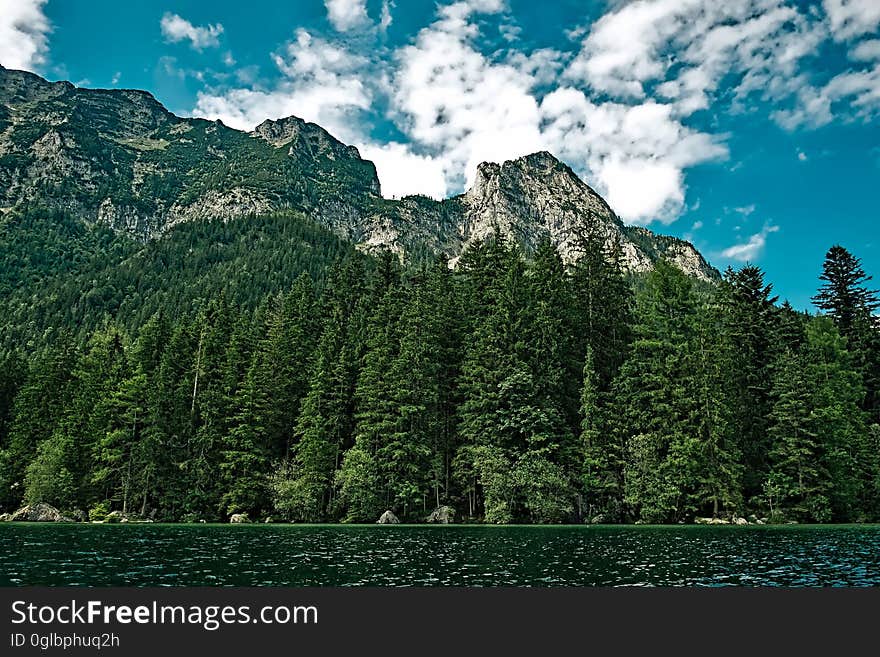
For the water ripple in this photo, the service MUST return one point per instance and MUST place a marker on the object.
(323, 555)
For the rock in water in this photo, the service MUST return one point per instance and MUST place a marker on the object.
(239, 518)
(388, 518)
(442, 515)
(39, 512)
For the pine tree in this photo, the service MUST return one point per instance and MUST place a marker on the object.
(122, 464)
(508, 425)
(845, 297)
(670, 424)
(603, 306)
(38, 408)
(304, 485)
(750, 333)
(267, 402)
(602, 476)
(822, 464)
(377, 419)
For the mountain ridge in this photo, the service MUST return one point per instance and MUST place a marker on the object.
(121, 159)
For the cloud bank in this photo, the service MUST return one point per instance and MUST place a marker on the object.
(24, 31)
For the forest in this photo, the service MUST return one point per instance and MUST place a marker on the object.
(512, 388)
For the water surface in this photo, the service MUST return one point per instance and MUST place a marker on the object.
(333, 555)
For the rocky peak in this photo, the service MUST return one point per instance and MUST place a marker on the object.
(308, 138)
(26, 87)
(528, 199)
(279, 132)
(533, 197)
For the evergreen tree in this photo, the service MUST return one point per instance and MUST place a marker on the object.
(303, 486)
(845, 297)
(821, 464)
(676, 457)
(123, 466)
(750, 333)
(38, 408)
(603, 306)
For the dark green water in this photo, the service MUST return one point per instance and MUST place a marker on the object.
(297, 555)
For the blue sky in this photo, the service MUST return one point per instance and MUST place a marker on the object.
(749, 127)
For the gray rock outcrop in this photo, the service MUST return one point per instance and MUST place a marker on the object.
(388, 518)
(39, 512)
(442, 515)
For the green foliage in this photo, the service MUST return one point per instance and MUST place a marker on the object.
(515, 389)
(99, 511)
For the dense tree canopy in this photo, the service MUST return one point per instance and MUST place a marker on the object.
(512, 388)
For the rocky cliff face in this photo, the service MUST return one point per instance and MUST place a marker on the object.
(119, 158)
(526, 199)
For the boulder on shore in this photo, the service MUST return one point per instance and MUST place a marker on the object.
(442, 515)
(740, 521)
(5, 517)
(115, 516)
(388, 518)
(239, 518)
(39, 512)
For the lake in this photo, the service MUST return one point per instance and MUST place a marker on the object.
(333, 555)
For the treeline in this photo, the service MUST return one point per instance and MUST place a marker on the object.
(57, 272)
(512, 388)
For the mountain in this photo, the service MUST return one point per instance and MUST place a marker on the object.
(118, 158)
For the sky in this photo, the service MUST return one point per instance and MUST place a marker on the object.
(749, 127)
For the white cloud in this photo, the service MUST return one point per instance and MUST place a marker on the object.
(116, 76)
(682, 50)
(542, 65)
(458, 104)
(858, 92)
(866, 51)
(397, 165)
(467, 108)
(850, 94)
(347, 15)
(385, 19)
(852, 18)
(802, 156)
(637, 153)
(23, 34)
(752, 249)
(321, 83)
(175, 29)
